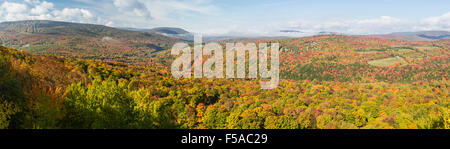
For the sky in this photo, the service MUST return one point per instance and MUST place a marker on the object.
(243, 17)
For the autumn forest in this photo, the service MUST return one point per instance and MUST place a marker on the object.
(56, 75)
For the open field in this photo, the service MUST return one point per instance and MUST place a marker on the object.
(430, 50)
(388, 61)
(411, 54)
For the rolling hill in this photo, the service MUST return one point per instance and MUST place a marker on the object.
(169, 30)
(82, 40)
(416, 36)
(173, 32)
(161, 30)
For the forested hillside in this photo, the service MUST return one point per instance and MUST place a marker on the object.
(85, 41)
(59, 92)
(362, 59)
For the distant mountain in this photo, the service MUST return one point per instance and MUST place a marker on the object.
(184, 35)
(416, 36)
(82, 40)
(328, 33)
(173, 32)
(241, 38)
(178, 33)
(161, 30)
(169, 30)
(290, 31)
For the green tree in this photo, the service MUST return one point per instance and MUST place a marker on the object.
(104, 104)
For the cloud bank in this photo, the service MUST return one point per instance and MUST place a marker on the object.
(381, 25)
(42, 10)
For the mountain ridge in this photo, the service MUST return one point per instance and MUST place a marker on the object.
(81, 40)
(415, 36)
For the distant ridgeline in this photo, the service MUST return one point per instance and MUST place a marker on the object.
(416, 36)
(447, 36)
(23, 27)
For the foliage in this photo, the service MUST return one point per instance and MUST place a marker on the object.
(326, 84)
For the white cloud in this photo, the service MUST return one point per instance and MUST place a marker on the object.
(199, 6)
(73, 14)
(13, 7)
(43, 10)
(436, 23)
(383, 24)
(118, 13)
(151, 13)
(378, 25)
(133, 6)
(13, 10)
(109, 23)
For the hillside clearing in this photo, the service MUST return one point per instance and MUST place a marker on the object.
(388, 61)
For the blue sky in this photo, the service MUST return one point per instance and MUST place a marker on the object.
(243, 17)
